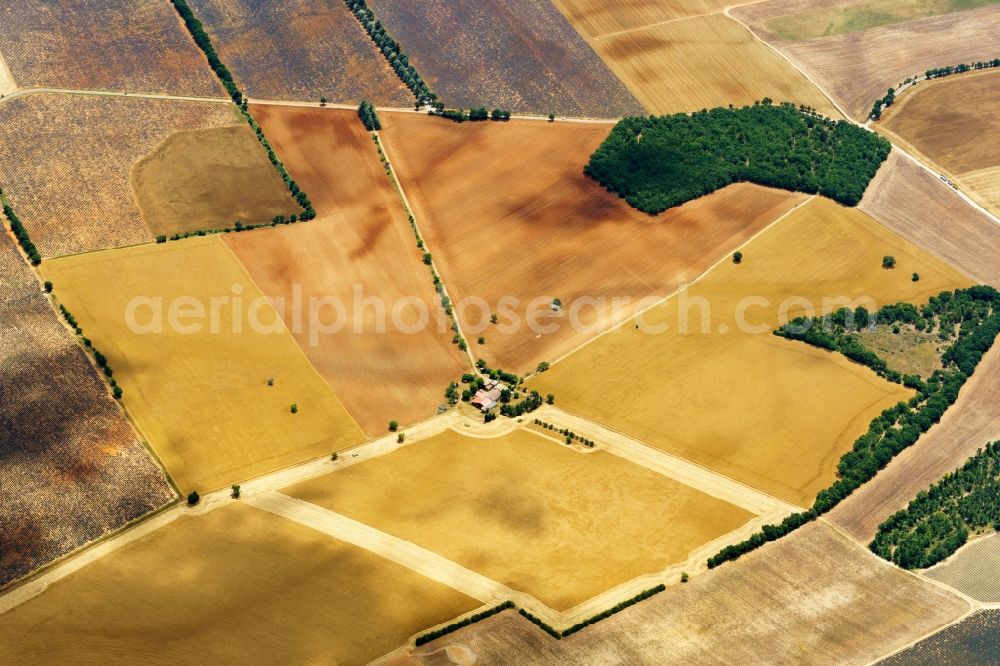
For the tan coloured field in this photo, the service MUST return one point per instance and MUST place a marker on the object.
(974, 570)
(65, 163)
(528, 512)
(954, 123)
(707, 61)
(916, 205)
(208, 179)
(483, 192)
(596, 18)
(235, 585)
(787, 411)
(359, 247)
(967, 425)
(193, 342)
(856, 68)
(813, 597)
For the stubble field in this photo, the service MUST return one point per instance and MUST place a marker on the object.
(856, 68)
(594, 18)
(662, 385)
(484, 192)
(300, 50)
(359, 247)
(704, 62)
(953, 122)
(523, 56)
(208, 179)
(65, 163)
(812, 597)
(974, 570)
(125, 45)
(237, 584)
(528, 512)
(71, 467)
(196, 388)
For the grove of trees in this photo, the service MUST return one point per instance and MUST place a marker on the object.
(658, 162)
(366, 112)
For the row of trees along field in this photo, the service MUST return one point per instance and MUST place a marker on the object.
(889, 99)
(390, 48)
(968, 318)
(21, 233)
(938, 521)
(658, 162)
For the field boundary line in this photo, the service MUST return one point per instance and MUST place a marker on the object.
(21, 92)
(677, 19)
(684, 286)
(672, 466)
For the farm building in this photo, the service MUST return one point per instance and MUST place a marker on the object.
(487, 397)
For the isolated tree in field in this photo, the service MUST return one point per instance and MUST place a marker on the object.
(915, 277)
(294, 408)
(482, 340)
(393, 426)
(193, 498)
(552, 117)
(333, 456)
(48, 287)
(400, 438)
(737, 257)
(888, 261)
(550, 399)
(542, 367)
(235, 491)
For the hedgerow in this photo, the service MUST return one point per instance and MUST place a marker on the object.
(21, 234)
(455, 626)
(368, 116)
(889, 99)
(541, 624)
(969, 318)
(658, 162)
(617, 608)
(99, 358)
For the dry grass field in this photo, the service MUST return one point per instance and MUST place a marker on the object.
(972, 642)
(361, 243)
(813, 597)
(916, 205)
(663, 385)
(967, 425)
(126, 45)
(910, 352)
(857, 67)
(585, 243)
(596, 18)
(65, 163)
(707, 61)
(237, 584)
(208, 179)
(300, 50)
(197, 388)
(71, 467)
(974, 570)
(518, 55)
(954, 123)
(528, 512)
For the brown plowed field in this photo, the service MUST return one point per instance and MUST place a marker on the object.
(700, 62)
(235, 585)
(360, 244)
(813, 597)
(208, 179)
(966, 427)
(594, 18)
(856, 68)
(133, 45)
(65, 162)
(300, 50)
(520, 55)
(71, 467)
(507, 212)
(919, 207)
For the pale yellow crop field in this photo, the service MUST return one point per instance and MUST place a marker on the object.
(528, 512)
(772, 413)
(704, 62)
(201, 398)
(235, 585)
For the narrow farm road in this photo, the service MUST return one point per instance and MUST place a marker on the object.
(20, 92)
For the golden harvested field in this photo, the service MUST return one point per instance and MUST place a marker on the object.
(359, 247)
(856, 68)
(813, 597)
(966, 427)
(208, 179)
(133, 45)
(954, 123)
(707, 61)
(65, 163)
(974, 570)
(71, 467)
(300, 50)
(663, 386)
(237, 584)
(528, 512)
(916, 205)
(197, 387)
(483, 192)
(595, 18)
